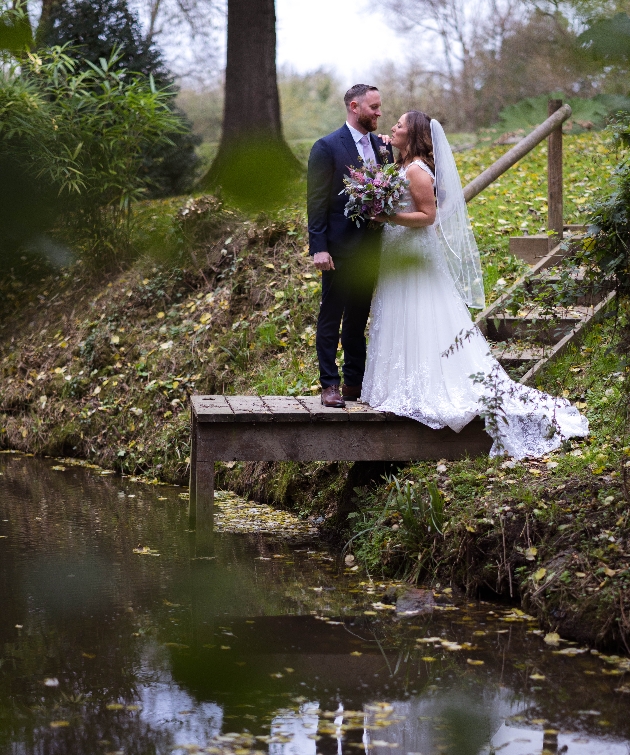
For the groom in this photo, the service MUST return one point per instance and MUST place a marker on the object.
(346, 255)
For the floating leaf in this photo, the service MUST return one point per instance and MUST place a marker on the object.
(356, 653)
(472, 662)
(552, 638)
(537, 677)
(115, 706)
(59, 724)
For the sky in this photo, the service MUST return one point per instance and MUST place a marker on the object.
(341, 35)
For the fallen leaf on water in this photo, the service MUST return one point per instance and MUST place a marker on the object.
(383, 606)
(52, 682)
(277, 675)
(370, 613)
(90, 656)
(552, 638)
(472, 662)
(624, 688)
(59, 724)
(428, 659)
(59, 469)
(612, 671)
(225, 647)
(146, 551)
(289, 670)
(570, 651)
(356, 653)
(537, 677)
(172, 605)
(114, 706)
(382, 743)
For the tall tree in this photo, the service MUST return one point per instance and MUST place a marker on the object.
(254, 162)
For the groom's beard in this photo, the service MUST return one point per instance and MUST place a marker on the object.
(369, 123)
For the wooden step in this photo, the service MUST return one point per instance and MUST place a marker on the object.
(573, 336)
(538, 329)
(513, 356)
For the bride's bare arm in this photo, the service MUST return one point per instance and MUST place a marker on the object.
(421, 190)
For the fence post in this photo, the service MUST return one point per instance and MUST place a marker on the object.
(555, 220)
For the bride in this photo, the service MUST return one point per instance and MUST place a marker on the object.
(426, 360)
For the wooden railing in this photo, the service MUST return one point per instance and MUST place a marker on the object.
(551, 129)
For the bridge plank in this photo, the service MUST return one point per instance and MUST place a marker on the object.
(286, 409)
(363, 413)
(318, 412)
(212, 409)
(249, 409)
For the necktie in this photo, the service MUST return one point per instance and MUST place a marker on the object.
(368, 151)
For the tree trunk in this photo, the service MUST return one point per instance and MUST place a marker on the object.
(42, 27)
(252, 123)
(252, 103)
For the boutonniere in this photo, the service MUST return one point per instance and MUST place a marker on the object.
(383, 151)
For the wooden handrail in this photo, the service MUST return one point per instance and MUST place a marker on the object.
(518, 151)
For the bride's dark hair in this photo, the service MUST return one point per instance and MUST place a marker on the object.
(419, 142)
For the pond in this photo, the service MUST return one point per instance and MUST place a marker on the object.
(119, 633)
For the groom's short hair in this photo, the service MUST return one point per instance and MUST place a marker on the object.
(358, 90)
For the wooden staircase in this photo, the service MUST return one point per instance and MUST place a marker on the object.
(526, 340)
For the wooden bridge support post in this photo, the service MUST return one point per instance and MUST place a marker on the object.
(555, 220)
(201, 492)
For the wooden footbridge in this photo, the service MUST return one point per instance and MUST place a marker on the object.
(285, 428)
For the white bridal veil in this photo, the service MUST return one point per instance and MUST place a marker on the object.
(453, 224)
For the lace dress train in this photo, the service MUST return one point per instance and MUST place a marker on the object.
(416, 368)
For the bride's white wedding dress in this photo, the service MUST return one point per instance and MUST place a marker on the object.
(415, 368)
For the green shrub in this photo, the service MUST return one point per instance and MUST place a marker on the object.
(531, 111)
(74, 140)
(79, 131)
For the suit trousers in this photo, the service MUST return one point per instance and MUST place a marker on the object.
(346, 298)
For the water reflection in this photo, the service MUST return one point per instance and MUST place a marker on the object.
(107, 647)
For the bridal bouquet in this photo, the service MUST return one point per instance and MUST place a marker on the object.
(373, 190)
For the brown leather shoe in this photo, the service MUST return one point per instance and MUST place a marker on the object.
(351, 392)
(332, 398)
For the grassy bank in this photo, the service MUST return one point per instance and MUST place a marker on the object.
(100, 366)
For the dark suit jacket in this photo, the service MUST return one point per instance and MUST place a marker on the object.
(329, 229)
